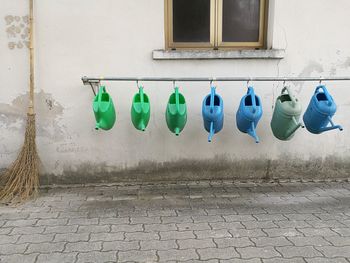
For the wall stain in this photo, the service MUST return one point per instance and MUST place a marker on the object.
(49, 103)
(333, 71)
(346, 63)
(17, 30)
(47, 107)
(312, 67)
(71, 147)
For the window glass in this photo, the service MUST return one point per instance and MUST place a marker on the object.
(240, 20)
(191, 20)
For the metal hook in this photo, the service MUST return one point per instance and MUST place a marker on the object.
(211, 81)
(93, 88)
(95, 84)
(320, 82)
(248, 81)
(173, 84)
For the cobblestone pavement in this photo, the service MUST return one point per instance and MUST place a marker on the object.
(197, 221)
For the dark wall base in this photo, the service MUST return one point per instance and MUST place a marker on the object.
(213, 169)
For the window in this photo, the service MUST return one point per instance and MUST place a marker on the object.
(215, 24)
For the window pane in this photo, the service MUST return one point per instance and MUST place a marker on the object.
(241, 19)
(191, 20)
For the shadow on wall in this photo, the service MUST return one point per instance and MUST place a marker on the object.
(211, 169)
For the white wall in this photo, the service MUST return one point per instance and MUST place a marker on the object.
(116, 38)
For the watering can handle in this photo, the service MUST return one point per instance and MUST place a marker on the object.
(100, 91)
(291, 94)
(252, 94)
(177, 99)
(326, 93)
(141, 94)
(212, 95)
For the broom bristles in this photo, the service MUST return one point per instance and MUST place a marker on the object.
(21, 181)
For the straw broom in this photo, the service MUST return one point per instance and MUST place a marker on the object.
(21, 180)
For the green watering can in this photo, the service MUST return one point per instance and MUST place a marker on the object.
(176, 112)
(140, 110)
(286, 115)
(104, 110)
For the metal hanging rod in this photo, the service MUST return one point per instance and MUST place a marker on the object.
(96, 81)
(88, 80)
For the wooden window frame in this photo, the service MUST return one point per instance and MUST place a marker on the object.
(215, 29)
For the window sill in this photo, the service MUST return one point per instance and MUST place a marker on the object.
(218, 54)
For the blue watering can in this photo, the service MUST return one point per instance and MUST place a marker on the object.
(249, 113)
(213, 113)
(320, 112)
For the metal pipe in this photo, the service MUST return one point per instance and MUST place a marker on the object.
(88, 80)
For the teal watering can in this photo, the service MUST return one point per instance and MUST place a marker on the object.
(286, 115)
(104, 110)
(140, 110)
(176, 112)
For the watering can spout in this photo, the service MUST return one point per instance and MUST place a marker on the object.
(97, 126)
(252, 133)
(177, 131)
(293, 129)
(143, 127)
(332, 127)
(212, 131)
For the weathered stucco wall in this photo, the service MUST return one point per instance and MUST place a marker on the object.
(114, 37)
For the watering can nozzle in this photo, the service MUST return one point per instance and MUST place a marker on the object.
(211, 133)
(177, 131)
(97, 127)
(328, 128)
(333, 126)
(143, 128)
(293, 129)
(255, 137)
(252, 132)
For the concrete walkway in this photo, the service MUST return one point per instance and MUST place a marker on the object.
(206, 221)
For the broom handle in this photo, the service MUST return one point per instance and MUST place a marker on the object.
(31, 57)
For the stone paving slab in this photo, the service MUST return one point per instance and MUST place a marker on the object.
(207, 221)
